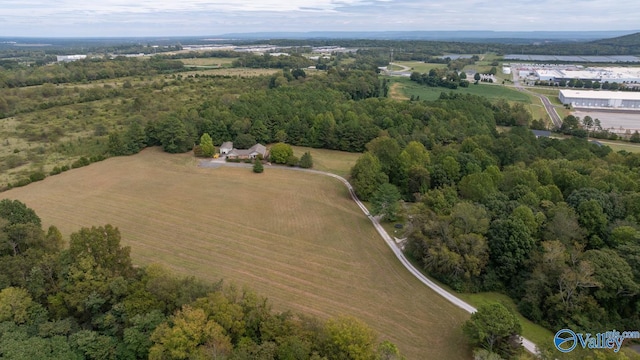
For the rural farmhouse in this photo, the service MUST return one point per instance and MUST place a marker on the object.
(250, 153)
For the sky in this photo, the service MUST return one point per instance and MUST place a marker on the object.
(140, 18)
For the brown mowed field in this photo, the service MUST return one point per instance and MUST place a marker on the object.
(333, 161)
(294, 237)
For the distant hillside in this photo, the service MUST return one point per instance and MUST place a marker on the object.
(621, 45)
(632, 40)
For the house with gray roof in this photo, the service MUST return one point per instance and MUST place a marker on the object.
(250, 153)
(541, 133)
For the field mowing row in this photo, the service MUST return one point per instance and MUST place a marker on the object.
(296, 238)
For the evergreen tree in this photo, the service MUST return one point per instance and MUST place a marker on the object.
(306, 161)
(257, 166)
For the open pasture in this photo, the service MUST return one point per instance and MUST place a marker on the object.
(490, 91)
(238, 72)
(215, 61)
(419, 66)
(294, 237)
(337, 162)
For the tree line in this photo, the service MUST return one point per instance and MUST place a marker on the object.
(89, 69)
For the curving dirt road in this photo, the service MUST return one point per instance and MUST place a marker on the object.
(527, 344)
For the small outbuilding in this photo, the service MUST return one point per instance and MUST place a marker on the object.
(541, 133)
(226, 147)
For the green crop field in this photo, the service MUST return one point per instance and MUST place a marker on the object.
(492, 92)
(295, 237)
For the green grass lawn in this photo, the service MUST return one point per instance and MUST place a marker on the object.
(420, 66)
(333, 161)
(618, 145)
(537, 110)
(544, 90)
(492, 92)
(550, 93)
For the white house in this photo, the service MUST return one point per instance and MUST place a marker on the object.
(226, 147)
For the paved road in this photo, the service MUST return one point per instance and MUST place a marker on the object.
(529, 345)
(551, 111)
(406, 71)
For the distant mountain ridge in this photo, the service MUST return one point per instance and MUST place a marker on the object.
(574, 36)
(625, 40)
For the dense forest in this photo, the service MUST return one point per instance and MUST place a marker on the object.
(88, 301)
(552, 223)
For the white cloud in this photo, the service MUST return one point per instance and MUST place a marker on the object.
(210, 17)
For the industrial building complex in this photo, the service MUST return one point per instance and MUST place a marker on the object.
(616, 100)
(619, 75)
(554, 73)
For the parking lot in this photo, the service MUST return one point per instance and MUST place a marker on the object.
(615, 121)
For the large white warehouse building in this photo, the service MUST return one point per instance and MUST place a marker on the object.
(617, 75)
(623, 100)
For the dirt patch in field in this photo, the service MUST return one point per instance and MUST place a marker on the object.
(395, 92)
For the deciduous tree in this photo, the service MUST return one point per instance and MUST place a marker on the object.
(280, 152)
(206, 145)
(386, 202)
(349, 338)
(494, 328)
(189, 334)
(510, 245)
(367, 176)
